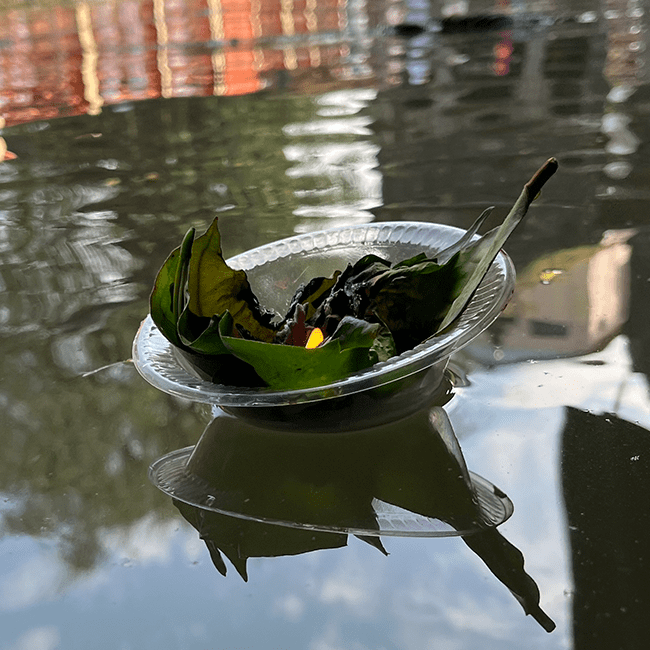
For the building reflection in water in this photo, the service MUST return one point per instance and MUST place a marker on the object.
(72, 59)
(571, 302)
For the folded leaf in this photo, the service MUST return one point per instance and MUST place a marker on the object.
(311, 295)
(444, 256)
(412, 298)
(161, 301)
(286, 367)
(204, 307)
(201, 335)
(347, 296)
(476, 259)
(182, 272)
(215, 288)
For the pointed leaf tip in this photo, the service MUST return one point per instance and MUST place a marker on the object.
(534, 185)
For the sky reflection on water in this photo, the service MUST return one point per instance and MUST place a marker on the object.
(353, 124)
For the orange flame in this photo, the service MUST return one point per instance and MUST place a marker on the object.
(315, 338)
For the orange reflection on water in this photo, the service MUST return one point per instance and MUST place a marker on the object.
(75, 58)
(40, 65)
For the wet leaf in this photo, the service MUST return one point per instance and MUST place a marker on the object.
(369, 312)
(286, 367)
(444, 256)
(215, 288)
(201, 335)
(161, 301)
(182, 271)
(310, 296)
(412, 298)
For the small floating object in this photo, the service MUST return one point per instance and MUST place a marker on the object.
(548, 275)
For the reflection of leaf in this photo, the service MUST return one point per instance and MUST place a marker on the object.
(507, 563)
(239, 539)
(293, 367)
(415, 464)
(424, 471)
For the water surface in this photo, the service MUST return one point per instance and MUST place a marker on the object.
(278, 133)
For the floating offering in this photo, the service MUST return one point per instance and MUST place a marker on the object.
(335, 326)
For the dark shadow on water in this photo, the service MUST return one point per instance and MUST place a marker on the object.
(606, 483)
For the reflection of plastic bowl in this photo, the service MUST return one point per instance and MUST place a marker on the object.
(401, 478)
(170, 475)
(386, 391)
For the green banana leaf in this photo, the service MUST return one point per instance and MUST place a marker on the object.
(161, 302)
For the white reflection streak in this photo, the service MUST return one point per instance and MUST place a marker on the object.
(43, 577)
(345, 102)
(38, 580)
(355, 183)
(349, 126)
(336, 151)
(334, 160)
(38, 638)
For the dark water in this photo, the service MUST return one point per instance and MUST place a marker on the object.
(433, 125)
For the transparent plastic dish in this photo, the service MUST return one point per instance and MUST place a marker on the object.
(170, 475)
(385, 392)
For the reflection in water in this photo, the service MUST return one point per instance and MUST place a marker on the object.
(91, 211)
(322, 487)
(241, 539)
(606, 480)
(568, 303)
(90, 206)
(636, 327)
(85, 220)
(78, 57)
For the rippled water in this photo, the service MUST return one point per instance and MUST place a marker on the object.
(382, 123)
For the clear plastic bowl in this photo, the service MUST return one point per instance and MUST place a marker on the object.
(385, 392)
